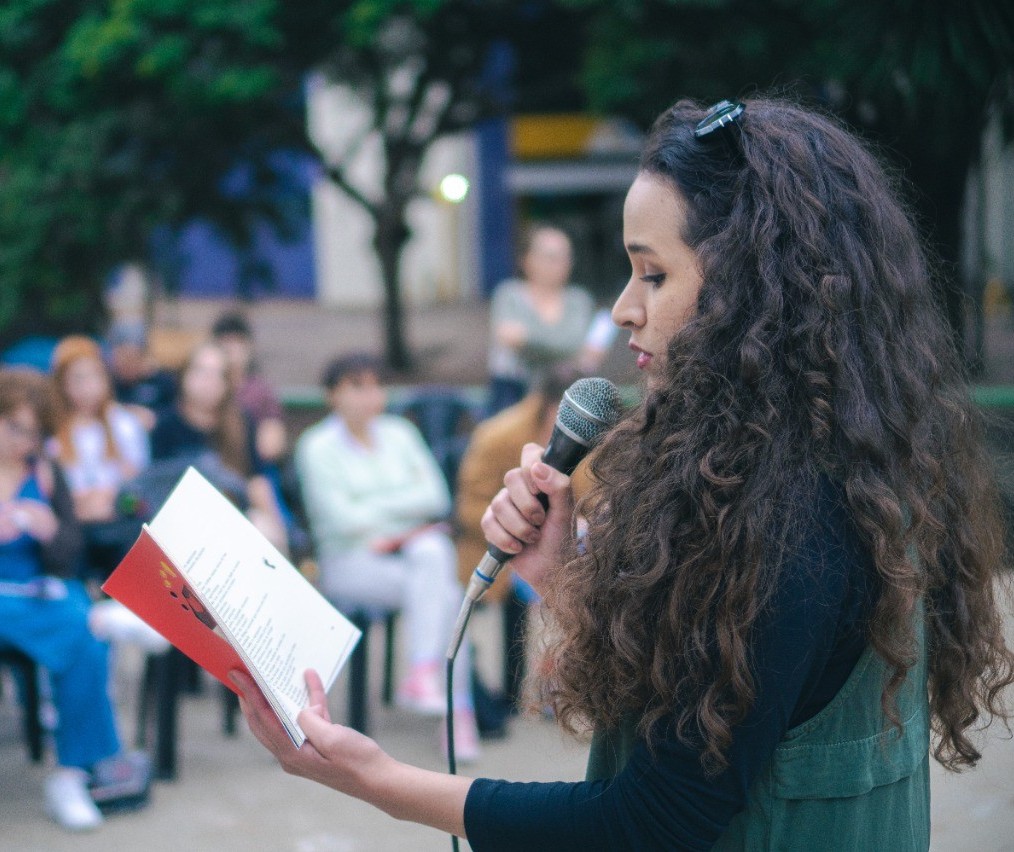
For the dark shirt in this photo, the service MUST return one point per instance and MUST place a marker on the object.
(805, 645)
(156, 391)
(175, 437)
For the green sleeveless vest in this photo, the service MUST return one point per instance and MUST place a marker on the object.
(845, 779)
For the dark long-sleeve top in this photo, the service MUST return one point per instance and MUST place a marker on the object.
(805, 645)
(62, 555)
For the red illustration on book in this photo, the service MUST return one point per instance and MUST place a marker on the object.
(141, 583)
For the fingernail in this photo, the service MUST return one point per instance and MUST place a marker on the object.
(232, 676)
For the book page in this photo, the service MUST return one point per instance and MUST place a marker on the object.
(268, 611)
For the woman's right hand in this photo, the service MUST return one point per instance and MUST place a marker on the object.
(516, 522)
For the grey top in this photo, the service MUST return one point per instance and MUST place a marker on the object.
(547, 343)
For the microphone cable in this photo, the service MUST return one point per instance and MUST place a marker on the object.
(452, 765)
(590, 407)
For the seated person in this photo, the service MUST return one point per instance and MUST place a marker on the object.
(374, 498)
(206, 421)
(139, 382)
(100, 445)
(255, 396)
(494, 449)
(43, 610)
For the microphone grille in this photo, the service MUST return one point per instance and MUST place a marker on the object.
(589, 409)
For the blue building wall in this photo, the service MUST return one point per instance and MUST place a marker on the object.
(200, 262)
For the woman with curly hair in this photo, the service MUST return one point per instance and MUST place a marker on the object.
(791, 575)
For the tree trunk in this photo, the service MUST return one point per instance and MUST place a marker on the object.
(391, 235)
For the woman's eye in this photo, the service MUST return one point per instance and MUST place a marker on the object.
(654, 280)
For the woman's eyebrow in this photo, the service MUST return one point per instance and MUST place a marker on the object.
(639, 248)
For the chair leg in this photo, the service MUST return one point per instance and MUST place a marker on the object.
(145, 701)
(168, 668)
(230, 708)
(27, 676)
(389, 638)
(358, 665)
(33, 723)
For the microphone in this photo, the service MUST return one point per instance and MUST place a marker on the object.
(589, 409)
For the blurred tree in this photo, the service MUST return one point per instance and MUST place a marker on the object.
(417, 69)
(117, 119)
(424, 69)
(120, 121)
(916, 76)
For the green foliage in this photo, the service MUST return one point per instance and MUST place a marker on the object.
(916, 76)
(119, 117)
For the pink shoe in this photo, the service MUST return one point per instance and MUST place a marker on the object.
(466, 737)
(421, 691)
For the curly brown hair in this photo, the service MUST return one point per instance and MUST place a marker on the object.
(817, 350)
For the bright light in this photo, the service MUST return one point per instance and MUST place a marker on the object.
(454, 188)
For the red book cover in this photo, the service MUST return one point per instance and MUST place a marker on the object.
(147, 583)
(205, 578)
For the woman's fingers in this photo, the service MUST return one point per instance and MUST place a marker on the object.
(318, 697)
(516, 515)
(261, 719)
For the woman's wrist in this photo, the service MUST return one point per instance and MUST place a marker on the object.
(409, 793)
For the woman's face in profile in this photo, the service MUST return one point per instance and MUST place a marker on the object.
(665, 280)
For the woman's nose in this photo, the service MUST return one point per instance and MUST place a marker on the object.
(628, 312)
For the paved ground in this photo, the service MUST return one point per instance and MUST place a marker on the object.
(230, 796)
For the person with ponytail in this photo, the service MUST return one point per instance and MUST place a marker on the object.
(791, 591)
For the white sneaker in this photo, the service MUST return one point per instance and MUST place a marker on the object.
(68, 801)
(111, 621)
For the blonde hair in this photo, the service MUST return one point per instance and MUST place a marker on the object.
(70, 350)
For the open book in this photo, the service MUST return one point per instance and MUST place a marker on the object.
(206, 579)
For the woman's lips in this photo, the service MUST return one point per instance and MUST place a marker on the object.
(643, 358)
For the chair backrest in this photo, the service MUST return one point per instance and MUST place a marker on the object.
(445, 416)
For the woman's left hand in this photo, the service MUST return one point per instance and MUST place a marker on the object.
(333, 755)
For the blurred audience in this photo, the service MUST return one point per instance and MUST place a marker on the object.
(100, 445)
(597, 342)
(43, 608)
(377, 504)
(139, 382)
(207, 428)
(538, 320)
(254, 394)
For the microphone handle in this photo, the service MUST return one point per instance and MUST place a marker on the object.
(503, 556)
(563, 453)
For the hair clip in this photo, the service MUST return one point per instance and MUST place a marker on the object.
(720, 115)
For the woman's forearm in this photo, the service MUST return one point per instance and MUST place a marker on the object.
(420, 795)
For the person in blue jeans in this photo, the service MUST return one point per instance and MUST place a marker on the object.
(43, 609)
